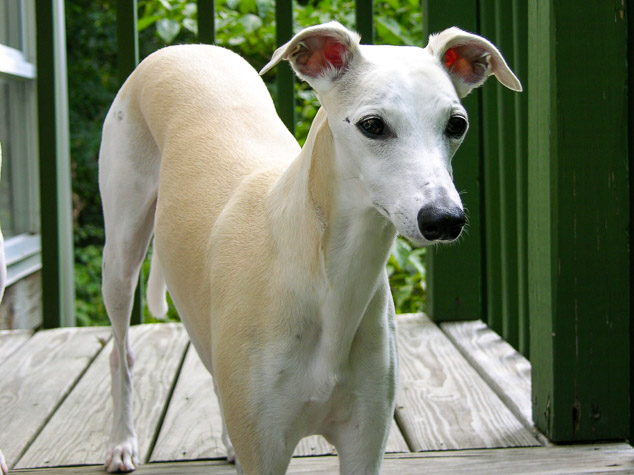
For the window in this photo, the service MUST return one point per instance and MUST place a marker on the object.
(19, 198)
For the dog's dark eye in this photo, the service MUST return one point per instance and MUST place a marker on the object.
(456, 126)
(372, 127)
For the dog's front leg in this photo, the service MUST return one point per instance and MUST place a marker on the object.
(3, 465)
(122, 448)
(360, 442)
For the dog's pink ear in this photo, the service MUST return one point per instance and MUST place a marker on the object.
(470, 60)
(318, 54)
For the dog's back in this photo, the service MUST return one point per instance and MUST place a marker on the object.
(188, 126)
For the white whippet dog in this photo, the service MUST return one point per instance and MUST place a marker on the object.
(275, 255)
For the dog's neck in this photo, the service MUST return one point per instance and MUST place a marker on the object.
(342, 241)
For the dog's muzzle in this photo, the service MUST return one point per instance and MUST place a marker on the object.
(440, 224)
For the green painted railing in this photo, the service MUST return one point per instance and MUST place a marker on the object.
(555, 208)
(58, 291)
(546, 261)
(485, 277)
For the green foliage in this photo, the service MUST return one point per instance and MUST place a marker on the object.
(89, 307)
(406, 271)
(244, 26)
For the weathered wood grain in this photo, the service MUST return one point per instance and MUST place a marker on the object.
(396, 442)
(192, 428)
(442, 403)
(11, 340)
(78, 432)
(36, 378)
(497, 362)
(608, 458)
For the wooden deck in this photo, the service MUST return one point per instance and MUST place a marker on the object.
(463, 405)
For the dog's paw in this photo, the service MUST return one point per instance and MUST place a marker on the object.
(3, 465)
(122, 457)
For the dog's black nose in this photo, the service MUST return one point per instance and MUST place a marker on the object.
(438, 224)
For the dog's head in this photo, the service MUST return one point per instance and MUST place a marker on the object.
(396, 117)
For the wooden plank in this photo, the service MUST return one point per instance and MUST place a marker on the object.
(608, 458)
(11, 340)
(37, 377)
(442, 403)
(78, 432)
(396, 443)
(579, 210)
(192, 429)
(497, 362)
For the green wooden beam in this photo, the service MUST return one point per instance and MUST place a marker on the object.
(578, 208)
(630, 128)
(364, 15)
(506, 167)
(454, 273)
(206, 21)
(58, 291)
(491, 187)
(285, 75)
(128, 58)
(520, 66)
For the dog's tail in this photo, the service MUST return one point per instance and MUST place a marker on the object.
(156, 289)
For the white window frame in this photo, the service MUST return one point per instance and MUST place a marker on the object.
(23, 252)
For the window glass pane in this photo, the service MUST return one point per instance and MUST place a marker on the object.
(12, 96)
(11, 23)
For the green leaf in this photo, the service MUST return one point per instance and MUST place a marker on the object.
(191, 25)
(415, 259)
(401, 251)
(190, 10)
(147, 21)
(168, 29)
(250, 22)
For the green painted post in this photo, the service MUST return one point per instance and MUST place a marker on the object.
(364, 15)
(454, 273)
(630, 88)
(285, 75)
(491, 186)
(128, 58)
(578, 209)
(206, 21)
(507, 171)
(520, 65)
(58, 290)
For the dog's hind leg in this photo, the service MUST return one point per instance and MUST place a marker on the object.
(128, 179)
(231, 454)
